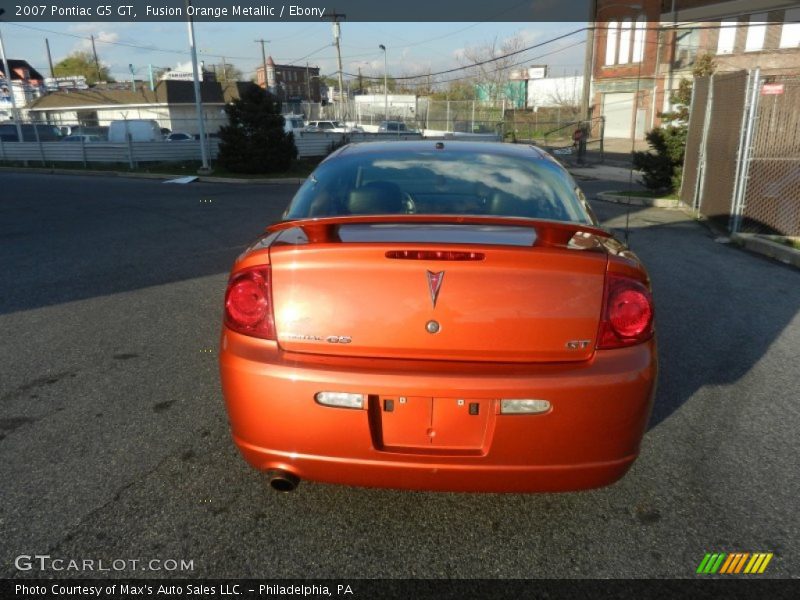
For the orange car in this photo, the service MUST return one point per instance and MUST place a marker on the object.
(439, 316)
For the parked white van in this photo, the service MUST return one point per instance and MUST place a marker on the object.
(139, 130)
(293, 123)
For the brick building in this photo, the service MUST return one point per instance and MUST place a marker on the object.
(291, 83)
(643, 48)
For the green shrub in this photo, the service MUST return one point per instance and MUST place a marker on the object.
(254, 141)
(663, 163)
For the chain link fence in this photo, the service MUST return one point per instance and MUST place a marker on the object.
(742, 162)
(772, 195)
(718, 164)
(695, 141)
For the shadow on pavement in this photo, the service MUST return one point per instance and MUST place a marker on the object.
(68, 238)
(718, 309)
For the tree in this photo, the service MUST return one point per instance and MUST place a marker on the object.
(493, 75)
(456, 90)
(81, 63)
(420, 83)
(662, 165)
(254, 140)
(159, 72)
(566, 96)
(227, 72)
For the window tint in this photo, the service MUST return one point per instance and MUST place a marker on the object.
(437, 182)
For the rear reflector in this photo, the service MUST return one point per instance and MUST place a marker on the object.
(434, 255)
(340, 399)
(524, 407)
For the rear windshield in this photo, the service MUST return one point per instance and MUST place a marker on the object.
(439, 182)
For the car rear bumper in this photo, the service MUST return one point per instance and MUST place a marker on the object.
(589, 437)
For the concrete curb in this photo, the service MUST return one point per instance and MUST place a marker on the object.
(639, 200)
(768, 248)
(203, 178)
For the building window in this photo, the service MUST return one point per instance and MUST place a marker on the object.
(625, 41)
(727, 36)
(611, 43)
(638, 39)
(756, 32)
(790, 33)
(687, 41)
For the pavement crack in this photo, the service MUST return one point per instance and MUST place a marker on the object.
(90, 516)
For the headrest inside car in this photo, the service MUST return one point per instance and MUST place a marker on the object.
(376, 198)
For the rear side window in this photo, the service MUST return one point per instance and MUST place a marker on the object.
(438, 182)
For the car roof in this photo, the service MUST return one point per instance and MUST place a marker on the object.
(449, 146)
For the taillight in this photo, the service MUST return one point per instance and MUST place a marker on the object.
(627, 313)
(248, 303)
(434, 255)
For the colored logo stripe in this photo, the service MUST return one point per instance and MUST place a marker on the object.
(711, 563)
(734, 563)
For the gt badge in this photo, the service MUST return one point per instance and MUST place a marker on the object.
(434, 285)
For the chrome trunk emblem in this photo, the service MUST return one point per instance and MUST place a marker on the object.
(434, 285)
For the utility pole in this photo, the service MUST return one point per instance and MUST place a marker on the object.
(225, 71)
(133, 77)
(264, 61)
(672, 45)
(96, 62)
(308, 84)
(337, 33)
(588, 63)
(49, 58)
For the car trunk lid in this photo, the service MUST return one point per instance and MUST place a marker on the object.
(498, 297)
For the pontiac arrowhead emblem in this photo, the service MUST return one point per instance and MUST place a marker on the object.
(434, 285)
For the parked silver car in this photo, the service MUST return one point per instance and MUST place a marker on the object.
(332, 127)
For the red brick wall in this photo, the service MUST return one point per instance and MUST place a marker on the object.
(616, 11)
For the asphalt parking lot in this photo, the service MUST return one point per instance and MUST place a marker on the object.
(114, 441)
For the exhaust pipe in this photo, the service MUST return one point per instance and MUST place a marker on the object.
(283, 481)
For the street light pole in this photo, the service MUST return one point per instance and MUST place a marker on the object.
(7, 73)
(385, 86)
(198, 102)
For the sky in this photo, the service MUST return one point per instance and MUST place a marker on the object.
(412, 48)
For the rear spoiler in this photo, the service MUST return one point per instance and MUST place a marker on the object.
(548, 233)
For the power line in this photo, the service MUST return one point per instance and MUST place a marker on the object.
(125, 44)
(657, 43)
(296, 60)
(465, 77)
(494, 58)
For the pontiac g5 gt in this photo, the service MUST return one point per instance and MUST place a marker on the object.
(439, 316)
